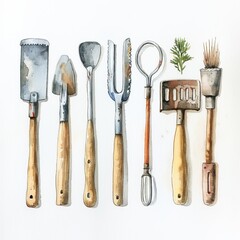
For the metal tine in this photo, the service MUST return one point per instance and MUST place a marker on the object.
(111, 67)
(126, 71)
(127, 66)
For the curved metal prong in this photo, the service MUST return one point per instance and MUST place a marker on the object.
(111, 69)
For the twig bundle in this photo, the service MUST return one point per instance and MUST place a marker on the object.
(211, 54)
(180, 55)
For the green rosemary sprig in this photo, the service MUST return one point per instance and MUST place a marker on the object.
(180, 55)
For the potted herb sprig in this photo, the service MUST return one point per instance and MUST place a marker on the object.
(180, 54)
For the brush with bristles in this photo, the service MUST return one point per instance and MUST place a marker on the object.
(211, 54)
(211, 77)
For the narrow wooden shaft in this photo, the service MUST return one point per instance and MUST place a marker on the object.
(32, 196)
(63, 164)
(209, 136)
(90, 196)
(179, 167)
(147, 132)
(118, 166)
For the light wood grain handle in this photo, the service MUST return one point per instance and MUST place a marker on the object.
(209, 136)
(147, 132)
(209, 183)
(179, 167)
(90, 196)
(118, 165)
(32, 196)
(63, 164)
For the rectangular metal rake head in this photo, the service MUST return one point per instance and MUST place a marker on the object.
(34, 68)
(180, 94)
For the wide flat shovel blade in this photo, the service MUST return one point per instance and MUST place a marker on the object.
(34, 68)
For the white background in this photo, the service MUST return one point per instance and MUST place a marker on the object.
(65, 24)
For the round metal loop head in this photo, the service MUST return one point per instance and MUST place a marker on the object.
(139, 52)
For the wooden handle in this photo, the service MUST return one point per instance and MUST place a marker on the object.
(209, 134)
(179, 167)
(63, 164)
(118, 165)
(32, 196)
(209, 183)
(147, 132)
(90, 196)
(209, 168)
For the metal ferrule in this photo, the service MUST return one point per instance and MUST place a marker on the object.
(63, 111)
(211, 79)
(147, 90)
(210, 102)
(180, 116)
(118, 117)
(146, 168)
(33, 105)
(89, 94)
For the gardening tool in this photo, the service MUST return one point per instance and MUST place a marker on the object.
(33, 85)
(64, 84)
(210, 78)
(180, 95)
(119, 98)
(90, 53)
(146, 179)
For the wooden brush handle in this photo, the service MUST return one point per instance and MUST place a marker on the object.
(147, 132)
(179, 167)
(209, 136)
(63, 164)
(118, 165)
(90, 196)
(32, 196)
(209, 168)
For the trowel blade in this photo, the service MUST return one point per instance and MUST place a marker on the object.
(64, 73)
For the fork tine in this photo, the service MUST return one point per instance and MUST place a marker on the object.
(111, 68)
(126, 75)
(127, 64)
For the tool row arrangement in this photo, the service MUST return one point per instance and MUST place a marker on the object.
(179, 95)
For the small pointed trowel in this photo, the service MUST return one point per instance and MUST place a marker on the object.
(64, 84)
(33, 85)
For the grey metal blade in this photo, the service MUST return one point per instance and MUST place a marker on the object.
(126, 74)
(64, 73)
(111, 68)
(90, 53)
(34, 68)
